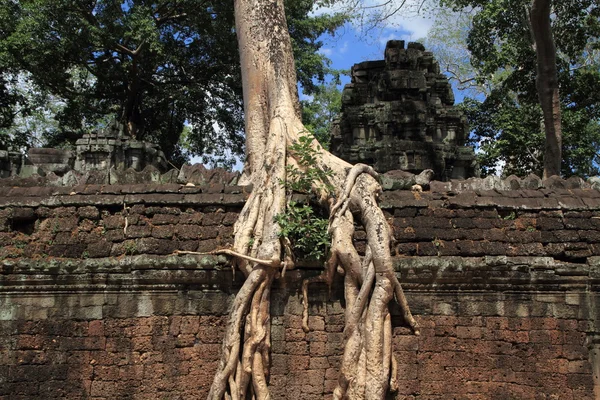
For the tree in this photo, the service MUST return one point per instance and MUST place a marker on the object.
(508, 124)
(447, 39)
(369, 15)
(32, 115)
(547, 84)
(154, 64)
(319, 113)
(275, 146)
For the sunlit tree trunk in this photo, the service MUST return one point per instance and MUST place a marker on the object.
(272, 124)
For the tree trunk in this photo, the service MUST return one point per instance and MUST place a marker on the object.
(130, 114)
(273, 124)
(547, 85)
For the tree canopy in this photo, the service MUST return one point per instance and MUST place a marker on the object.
(319, 112)
(155, 65)
(507, 124)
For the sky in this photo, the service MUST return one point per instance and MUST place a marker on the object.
(350, 45)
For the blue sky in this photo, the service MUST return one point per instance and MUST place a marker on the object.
(350, 46)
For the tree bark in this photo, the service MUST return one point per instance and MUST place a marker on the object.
(130, 116)
(273, 124)
(131, 108)
(547, 85)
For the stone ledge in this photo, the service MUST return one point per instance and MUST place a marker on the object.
(172, 272)
(117, 265)
(499, 273)
(176, 199)
(101, 195)
(524, 200)
(94, 189)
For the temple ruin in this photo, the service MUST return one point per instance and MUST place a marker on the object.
(99, 151)
(399, 113)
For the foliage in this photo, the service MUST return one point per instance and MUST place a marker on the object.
(302, 180)
(507, 124)
(32, 115)
(307, 232)
(447, 39)
(319, 113)
(155, 65)
(506, 133)
(306, 31)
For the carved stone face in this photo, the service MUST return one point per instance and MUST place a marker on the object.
(403, 161)
(391, 56)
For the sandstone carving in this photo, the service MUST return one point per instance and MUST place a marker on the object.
(111, 148)
(102, 157)
(398, 113)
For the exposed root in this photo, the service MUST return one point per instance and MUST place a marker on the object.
(401, 299)
(325, 277)
(272, 113)
(231, 364)
(394, 375)
(370, 285)
(244, 369)
(343, 200)
(275, 263)
(368, 367)
(288, 256)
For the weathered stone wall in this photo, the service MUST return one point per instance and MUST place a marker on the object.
(97, 221)
(93, 304)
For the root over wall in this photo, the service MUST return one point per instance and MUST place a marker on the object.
(93, 304)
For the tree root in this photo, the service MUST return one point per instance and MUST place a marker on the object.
(238, 365)
(370, 284)
(272, 124)
(275, 263)
(343, 200)
(368, 368)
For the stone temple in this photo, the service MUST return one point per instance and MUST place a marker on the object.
(96, 152)
(399, 114)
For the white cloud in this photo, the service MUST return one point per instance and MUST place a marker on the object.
(416, 27)
(410, 30)
(344, 48)
(326, 51)
(411, 19)
(385, 38)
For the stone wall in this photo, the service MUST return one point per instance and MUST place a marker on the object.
(93, 304)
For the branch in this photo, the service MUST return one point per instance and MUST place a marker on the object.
(131, 53)
(455, 75)
(531, 37)
(122, 49)
(391, 13)
(380, 5)
(139, 48)
(161, 20)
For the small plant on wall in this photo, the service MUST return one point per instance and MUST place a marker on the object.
(300, 224)
(306, 231)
